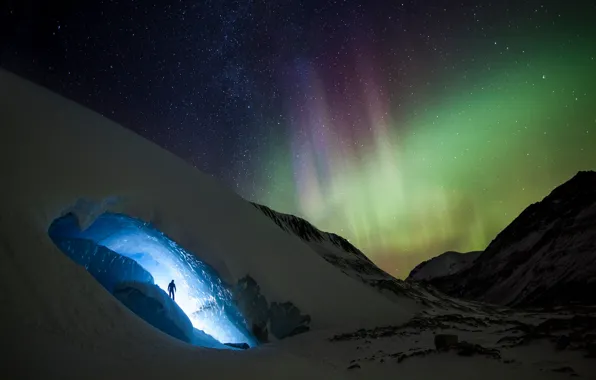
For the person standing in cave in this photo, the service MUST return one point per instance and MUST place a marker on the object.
(172, 289)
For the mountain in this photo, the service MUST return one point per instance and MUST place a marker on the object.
(545, 257)
(340, 253)
(445, 264)
(333, 248)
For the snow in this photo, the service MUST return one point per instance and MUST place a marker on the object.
(443, 265)
(391, 351)
(58, 157)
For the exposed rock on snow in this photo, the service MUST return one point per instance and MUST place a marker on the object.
(306, 231)
(577, 333)
(444, 341)
(241, 346)
(469, 349)
(461, 348)
(482, 348)
(545, 257)
(282, 320)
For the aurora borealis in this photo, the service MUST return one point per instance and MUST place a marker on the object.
(406, 185)
(410, 128)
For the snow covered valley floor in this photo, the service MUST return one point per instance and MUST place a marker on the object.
(503, 344)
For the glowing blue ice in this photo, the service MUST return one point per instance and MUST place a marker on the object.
(200, 292)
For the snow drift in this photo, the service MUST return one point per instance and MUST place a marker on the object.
(55, 154)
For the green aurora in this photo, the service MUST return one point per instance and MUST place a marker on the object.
(454, 171)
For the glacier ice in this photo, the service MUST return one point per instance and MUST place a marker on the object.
(118, 250)
(106, 266)
(152, 304)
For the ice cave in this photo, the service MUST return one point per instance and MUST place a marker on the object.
(135, 262)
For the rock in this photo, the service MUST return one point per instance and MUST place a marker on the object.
(591, 348)
(563, 369)
(286, 320)
(283, 318)
(444, 341)
(260, 332)
(354, 366)
(469, 349)
(566, 369)
(563, 342)
(466, 349)
(242, 346)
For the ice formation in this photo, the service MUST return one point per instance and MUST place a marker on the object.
(118, 249)
(151, 303)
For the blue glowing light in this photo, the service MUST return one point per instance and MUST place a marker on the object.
(200, 292)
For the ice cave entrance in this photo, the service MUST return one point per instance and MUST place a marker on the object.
(135, 262)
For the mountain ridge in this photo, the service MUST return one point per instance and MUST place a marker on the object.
(546, 256)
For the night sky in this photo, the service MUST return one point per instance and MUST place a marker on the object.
(410, 128)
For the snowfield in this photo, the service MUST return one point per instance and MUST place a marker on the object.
(58, 322)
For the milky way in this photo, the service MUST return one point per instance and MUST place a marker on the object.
(410, 128)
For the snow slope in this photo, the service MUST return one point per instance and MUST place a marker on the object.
(445, 264)
(353, 263)
(545, 257)
(54, 153)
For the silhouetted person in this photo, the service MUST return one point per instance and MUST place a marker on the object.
(172, 289)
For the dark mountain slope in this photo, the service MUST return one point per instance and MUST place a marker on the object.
(545, 257)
